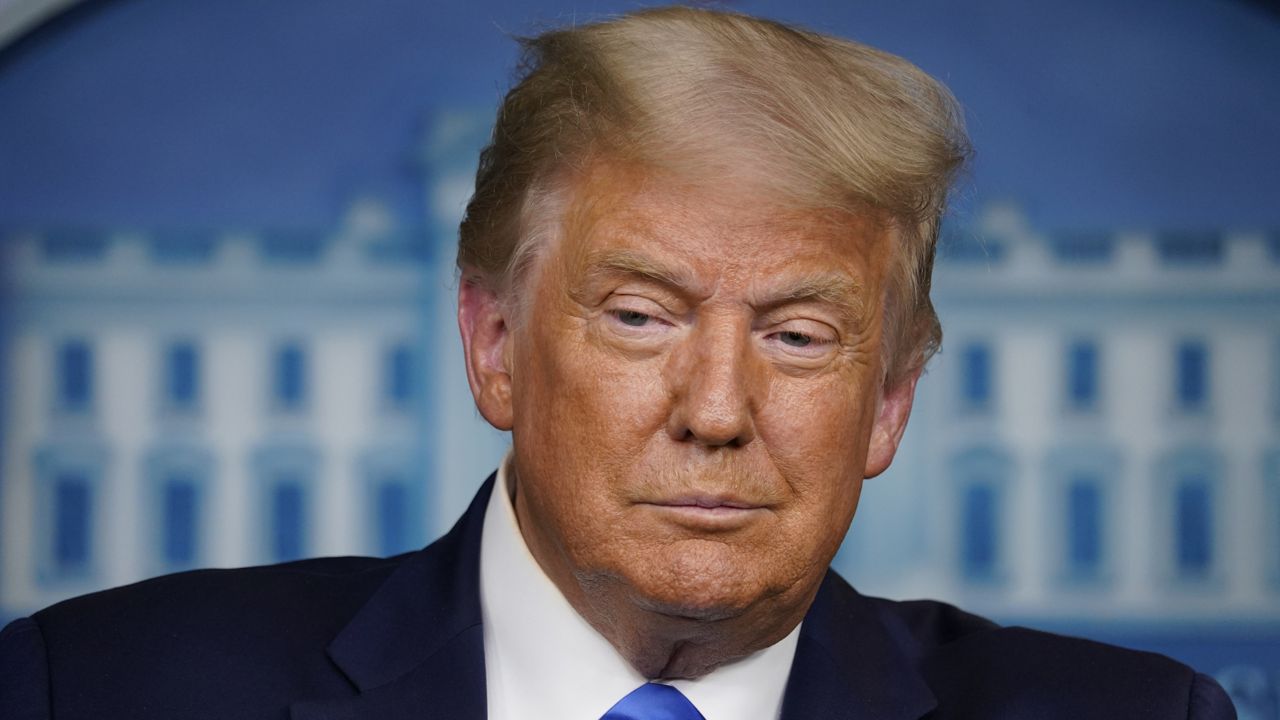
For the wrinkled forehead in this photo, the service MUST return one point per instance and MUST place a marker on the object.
(638, 214)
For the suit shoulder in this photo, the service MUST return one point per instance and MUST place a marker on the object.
(222, 610)
(929, 623)
(184, 644)
(322, 580)
(977, 668)
(939, 630)
(1028, 670)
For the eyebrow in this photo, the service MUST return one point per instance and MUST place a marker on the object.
(829, 288)
(629, 262)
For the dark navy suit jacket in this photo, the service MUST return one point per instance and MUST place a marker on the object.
(401, 639)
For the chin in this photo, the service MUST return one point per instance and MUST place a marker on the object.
(697, 583)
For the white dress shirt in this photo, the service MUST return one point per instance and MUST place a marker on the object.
(542, 660)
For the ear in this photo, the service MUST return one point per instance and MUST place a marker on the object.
(890, 423)
(485, 336)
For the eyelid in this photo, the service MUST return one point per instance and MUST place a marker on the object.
(619, 303)
(816, 344)
(637, 302)
(817, 329)
(824, 340)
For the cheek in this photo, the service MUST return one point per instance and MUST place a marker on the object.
(628, 395)
(581, 409)
(593, 386)
(823, 428)
(817, 438)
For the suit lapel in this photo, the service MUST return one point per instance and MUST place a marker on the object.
(850, 665)
(416, 648)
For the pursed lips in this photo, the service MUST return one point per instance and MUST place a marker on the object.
(707, 512)
(708, 502)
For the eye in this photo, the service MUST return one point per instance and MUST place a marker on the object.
(634, 318)
(802, 339)
(795, 339)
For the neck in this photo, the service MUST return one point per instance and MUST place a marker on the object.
(662, 645)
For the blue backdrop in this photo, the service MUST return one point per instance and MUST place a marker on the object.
(227, 236)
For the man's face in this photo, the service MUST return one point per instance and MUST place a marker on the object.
(694, 393)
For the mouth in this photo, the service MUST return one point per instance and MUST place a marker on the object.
(708, 502)
(707, 512)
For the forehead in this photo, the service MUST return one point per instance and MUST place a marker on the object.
(719, 230)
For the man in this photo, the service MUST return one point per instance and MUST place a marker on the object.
(695, 280)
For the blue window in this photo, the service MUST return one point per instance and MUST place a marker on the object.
(180, 520)
(288, 519)
(393, 515)
(183, 248)
(399, 377)
(1191, 376)
(1273, 245)
(1083, 248)
(182, 376)
(291, 247)
(1190, 249)
(976, 376)
(72, 523)
(406, 246)
(1193, 526)
(1084, 526)
(285, 474)
(1082, 375)
(68, 488)
(982, 475)
(75, 376)
(290, 382)
(392, 505)
(1080, 519)
(177, 476)
(74, 246)
(980, 533)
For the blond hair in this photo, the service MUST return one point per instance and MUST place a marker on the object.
(824, 122)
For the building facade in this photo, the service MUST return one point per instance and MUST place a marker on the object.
(183, 399)
(1103, 441)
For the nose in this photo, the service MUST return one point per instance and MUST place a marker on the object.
(716, 387)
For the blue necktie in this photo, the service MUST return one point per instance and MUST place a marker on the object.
(652, 701)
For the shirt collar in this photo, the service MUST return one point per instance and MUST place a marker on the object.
(544, 660)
